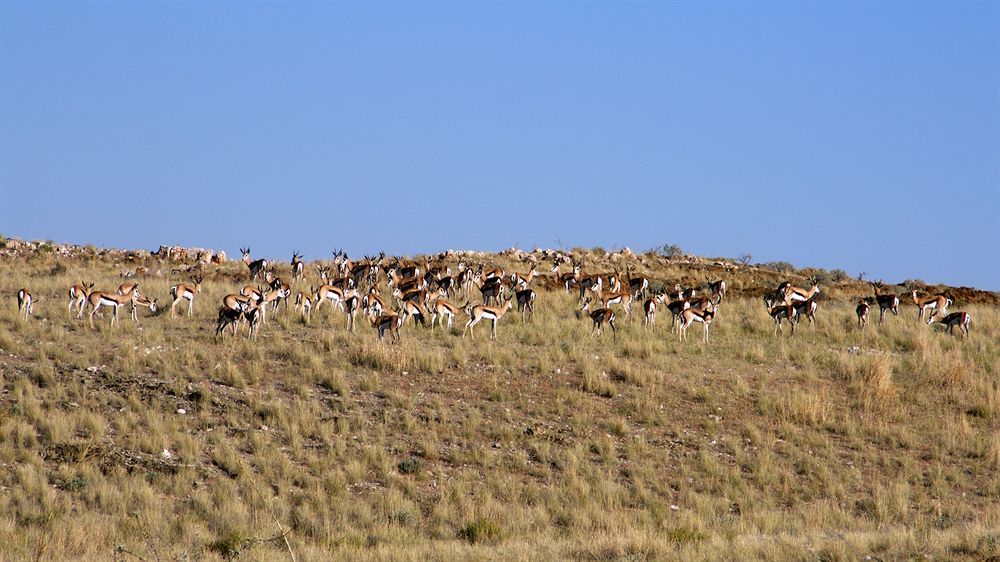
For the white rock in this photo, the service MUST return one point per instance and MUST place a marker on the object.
(166, 454)
(181, 411)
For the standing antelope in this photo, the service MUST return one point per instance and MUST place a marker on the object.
(78, 296)
(568, 279)
(676, 307)
(599, 317)
(410, 308)
(328, 292)
(937, 303)
(491, 288)
(862, 312)
(303, 303)
(718, 289)
(961, 319)
(351, 306)
(805, 308)
(525, 303)
(649, 308)
(255, 314)
(97, 299)
(24, 303)
(298, 268)
(372, 302)
(783, 312)
(638, 285)
(256, 267)
(442, 309)
(183, 291)
(229, 317)
(685, 294)
(483, 312)
(885, 302)
(692, 315)
(793, 293)
(623, 298)
(519, 281)
(388, 321)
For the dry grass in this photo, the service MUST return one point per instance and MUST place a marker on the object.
(547, 444)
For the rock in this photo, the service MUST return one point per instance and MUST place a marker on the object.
(166, 455)
(219, 257)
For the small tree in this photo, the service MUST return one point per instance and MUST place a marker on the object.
(744, 260)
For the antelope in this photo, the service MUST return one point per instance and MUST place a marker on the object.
(623, 298)
(388, 321)
(442, 309)
(271, 298)
(78, 296)
(228, 317)
(938, 304)
(793, 293)
(480, 312)
(591, 282)
(567, 279)
(278, 285)
(351, 305)
(862, 312)
(961, 319)
(182, 291)
(885, 302)
(256, 267)
(298, 268)
(465, 278)
(638, 285)
(412, 309)
(324, 273)
(676, 307)
(236, 301)
(373, 301)
(139, 299)
(692, 315)
(491, 288)
(303, 303)
(614, 282)
(24, 303)
(97, 299)
(783, 312)
(255, 315)
(649, 308)
(328, 292)
(600, 316)
(126, 288)
(685, 294)
(718, 288)
(491, 273)
(525, 303)
(805, 308)
(519, 281)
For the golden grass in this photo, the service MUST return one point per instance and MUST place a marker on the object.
(548, 444)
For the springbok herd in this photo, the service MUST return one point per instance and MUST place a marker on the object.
(422, 290)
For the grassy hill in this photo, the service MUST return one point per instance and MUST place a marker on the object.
(315, 443)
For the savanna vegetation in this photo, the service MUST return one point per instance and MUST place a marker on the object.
(156, 441)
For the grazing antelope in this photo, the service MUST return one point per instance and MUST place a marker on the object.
(78, 296)
(97, 299)
(183, 291)
(491, 288)
(623, 298)
(525, 303)
(600, 317)
(783, 312)
(885, 302)
(961, 319)
(937, 303)
(692, 315)
(389, 321)
(303, 303)
(24, 303)
(862, 312)
(718, 289)
(256, 267)
(482, 312)
(298, 268)
(442, 309)
(141, 300)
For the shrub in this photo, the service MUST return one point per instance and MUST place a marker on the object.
(481, 530)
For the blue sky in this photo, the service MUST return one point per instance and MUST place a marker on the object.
(862, 136)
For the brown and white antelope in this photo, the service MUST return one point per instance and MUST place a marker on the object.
(624, 298)
(256, 267)
(675, 307)
(412, 309)
(492, 289)
(683, 294)
(298, 268)
(303, 303)
(567, 279)
(78, 296)
(886, 301)
(718, 289)
(442, 310)
(649, 308)
(525, 303)
(938, 304)
(960, 319)
(519, 282)
(805, 308)
(862, 311)
(335, 295)
(229, 317)
(793, 293)
(388, 321)
(638, 285)
(372, 301)
(183, 291)
(783, 312)
(482, 312)
(351, 305)
(692, 315)
(97, 299)
(600, 317)
(24, 301)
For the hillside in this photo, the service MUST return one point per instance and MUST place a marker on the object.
(156, 440)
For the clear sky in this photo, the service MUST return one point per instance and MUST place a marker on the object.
(862, 136)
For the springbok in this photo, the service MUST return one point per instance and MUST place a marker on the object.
(783, 312)
(256, 267)
(862, 312)
(960, 319)
(718, 288)
(885, 302)
(183, 291)
(482, 312)
(441, 309)
(525, 303)
(303, 303)
(623, 298)
(600, 317)
(805, 308)
(388, 321)
(638, 285)
(298, 268)
(24, 303)
(937, 303)
(229, 317)
(97, 299)
(692, 315)
(78, 296)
